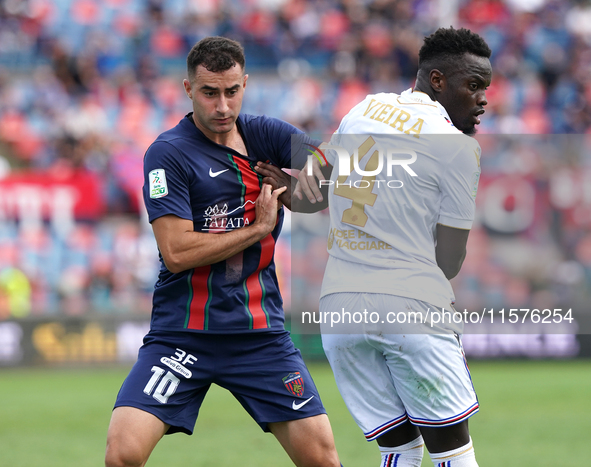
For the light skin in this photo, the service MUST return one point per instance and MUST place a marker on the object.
(217, 100)
(133, 433)
(462, 92)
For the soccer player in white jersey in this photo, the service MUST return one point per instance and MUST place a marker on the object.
(394, 246)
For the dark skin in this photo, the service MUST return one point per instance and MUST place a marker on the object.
(462, 92)
(276, 177)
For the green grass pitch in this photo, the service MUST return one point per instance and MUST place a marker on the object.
(532, 413)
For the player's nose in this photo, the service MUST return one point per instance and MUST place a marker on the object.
(481, 99)
(222, 106)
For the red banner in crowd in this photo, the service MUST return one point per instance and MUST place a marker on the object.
(52, 194)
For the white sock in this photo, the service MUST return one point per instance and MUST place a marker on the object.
(407, 455)
(460, 457)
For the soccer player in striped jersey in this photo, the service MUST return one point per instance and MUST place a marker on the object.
(217, 313)
(395, 243)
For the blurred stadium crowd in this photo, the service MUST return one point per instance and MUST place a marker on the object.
(86, 85)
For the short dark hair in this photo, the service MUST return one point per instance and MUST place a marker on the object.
(216, 54)
(442, 48)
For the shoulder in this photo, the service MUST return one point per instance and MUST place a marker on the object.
(459, 151)
(169, 147)
(374, 101)
(362, 117)
(471, 148)
(263, 123)
(176, 140)
(178, 135)
(185, 128)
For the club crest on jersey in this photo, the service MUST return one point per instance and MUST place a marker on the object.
(294, 383)
(158, 185)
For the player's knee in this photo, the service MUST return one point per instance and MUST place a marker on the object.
(120, 456)
(324, 458)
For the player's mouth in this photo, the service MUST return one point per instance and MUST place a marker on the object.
(476, 116)
(223, 121)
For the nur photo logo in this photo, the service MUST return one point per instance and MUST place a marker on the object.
(387, 157)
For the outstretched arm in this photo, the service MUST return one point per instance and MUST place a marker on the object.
(182, 248)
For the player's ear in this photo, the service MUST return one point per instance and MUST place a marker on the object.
(437, 80)
(187, 85)
(244, 82)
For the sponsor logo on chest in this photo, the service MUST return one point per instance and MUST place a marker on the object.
(219, 219)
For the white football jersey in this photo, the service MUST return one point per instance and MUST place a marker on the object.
(414, 169)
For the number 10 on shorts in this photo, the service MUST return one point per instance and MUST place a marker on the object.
(168, 383)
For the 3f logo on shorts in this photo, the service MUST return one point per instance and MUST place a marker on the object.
(183, 357)
(161, 386)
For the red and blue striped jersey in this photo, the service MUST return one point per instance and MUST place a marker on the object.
(188, 175)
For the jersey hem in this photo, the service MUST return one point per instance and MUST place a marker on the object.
(379, 431)
(218, 331)
(433, 301)
(455, 223)
(174, 428)
(446, 421)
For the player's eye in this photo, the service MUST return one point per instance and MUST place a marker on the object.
(473, 86)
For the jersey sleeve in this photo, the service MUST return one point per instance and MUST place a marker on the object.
(291, 146)
(166, 184)
(459, 185)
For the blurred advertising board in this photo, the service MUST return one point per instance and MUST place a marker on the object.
(88, 341)
(71, 341)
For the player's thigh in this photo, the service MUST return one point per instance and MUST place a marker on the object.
(132, 435)
(269, 378)
(430, 373)
(307, 441)
(361, 372)
(168, 380)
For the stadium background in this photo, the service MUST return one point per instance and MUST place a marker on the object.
(85, 86)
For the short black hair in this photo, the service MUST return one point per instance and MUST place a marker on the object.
(442, 48)
(216, 54)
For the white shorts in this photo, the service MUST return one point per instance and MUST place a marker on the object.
(386, 379)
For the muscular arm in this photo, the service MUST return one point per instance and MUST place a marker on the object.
(451, 249)
(182, 248)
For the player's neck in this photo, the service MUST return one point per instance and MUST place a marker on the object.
(425, 90)
(423, 85)
(232, 139)
(224, 139)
